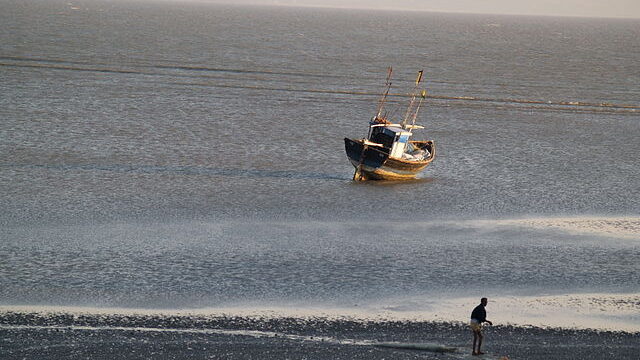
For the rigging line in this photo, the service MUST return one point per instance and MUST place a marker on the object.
(575, 104)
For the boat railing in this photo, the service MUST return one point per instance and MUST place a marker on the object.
(389, 125)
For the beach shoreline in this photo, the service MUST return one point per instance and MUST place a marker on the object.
(581, 311)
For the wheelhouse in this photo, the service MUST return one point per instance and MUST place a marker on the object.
(394, 139)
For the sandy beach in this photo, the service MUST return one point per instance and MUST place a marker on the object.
(73, 336)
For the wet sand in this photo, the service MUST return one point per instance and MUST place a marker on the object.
(73, 336)
(626, 227)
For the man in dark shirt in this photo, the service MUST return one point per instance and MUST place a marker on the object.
(478, 316)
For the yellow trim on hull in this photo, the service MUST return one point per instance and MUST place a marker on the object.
(382, 174)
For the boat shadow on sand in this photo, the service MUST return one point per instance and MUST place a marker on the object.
(185, 170)
(392, 183)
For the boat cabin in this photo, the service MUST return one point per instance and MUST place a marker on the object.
(393, 138)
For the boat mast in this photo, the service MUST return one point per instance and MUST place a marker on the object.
(413, 99)
(385, 94)
(423, 95)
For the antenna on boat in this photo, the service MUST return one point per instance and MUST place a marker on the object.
(413, 99)
(385, 94)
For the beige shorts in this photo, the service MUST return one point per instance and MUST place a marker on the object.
(475, 325)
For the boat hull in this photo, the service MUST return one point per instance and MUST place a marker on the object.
(374, 163)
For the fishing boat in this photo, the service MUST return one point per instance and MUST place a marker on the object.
(388, 153)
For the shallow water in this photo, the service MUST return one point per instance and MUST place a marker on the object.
(179, 156)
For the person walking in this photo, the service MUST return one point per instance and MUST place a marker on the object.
(478, 316)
